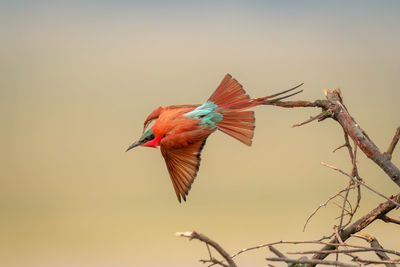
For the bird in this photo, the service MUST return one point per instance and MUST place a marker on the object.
(181, 131)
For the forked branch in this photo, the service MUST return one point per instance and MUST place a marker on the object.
(360, 224)
(215, 245)
(335, 108)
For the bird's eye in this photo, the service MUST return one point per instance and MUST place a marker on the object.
(164, 135)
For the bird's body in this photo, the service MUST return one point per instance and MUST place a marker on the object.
(181, 131)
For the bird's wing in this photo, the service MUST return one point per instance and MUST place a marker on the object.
(157, 112)
(183, 160)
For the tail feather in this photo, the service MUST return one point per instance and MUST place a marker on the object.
(228, 93)
(247, 126)
(232, 101)
(270, 99)
(239, 125)
(243, 135)
(245, 116)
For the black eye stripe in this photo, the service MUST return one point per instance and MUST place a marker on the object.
(147, 138)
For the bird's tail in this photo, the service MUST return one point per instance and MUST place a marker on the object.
(232, 102)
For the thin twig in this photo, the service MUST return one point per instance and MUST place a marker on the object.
(215, 245)
(326, 237)
(318, 242)
(335, 229)
(387, 219)
(276, 252)
(359, 225)
(308, 261)
(379, 250)
(325, 204)
(360, 182)
(344, 206)
(347, 251)
(386, 262)
(393, 144)
(339, 147)
(319, 117)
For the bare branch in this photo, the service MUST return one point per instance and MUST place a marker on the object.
(215, 245)
(335, 228)
(386, 262)
(347, 251)
(360, 224)
(339, 112)
(393, 144)
(360, 182)
(323, 115)
(339, 147)
(344, 206)
(319, 242)
(379, 251)
(276, 252)
(313, 261)
(387, 219)
(325, 204)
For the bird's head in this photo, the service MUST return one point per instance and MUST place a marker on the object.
(148, 139)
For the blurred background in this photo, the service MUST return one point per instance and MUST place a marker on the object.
(77, 80)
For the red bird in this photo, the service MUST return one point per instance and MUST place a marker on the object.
(181, 131)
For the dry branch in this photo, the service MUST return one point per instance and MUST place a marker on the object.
(276, 252)
(360, 224)
(208, 241)
(348, 251)
(312, 261)
(393, 144)
(335, 108)
(387, 219)
(379, 250)
(326, 203)
(360, 182)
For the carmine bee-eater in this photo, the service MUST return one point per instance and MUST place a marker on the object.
(181, 131)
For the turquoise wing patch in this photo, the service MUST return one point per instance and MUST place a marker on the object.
(206, 114)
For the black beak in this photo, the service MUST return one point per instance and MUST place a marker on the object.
(135, 144)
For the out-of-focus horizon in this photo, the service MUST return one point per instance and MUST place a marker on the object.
(78, 79)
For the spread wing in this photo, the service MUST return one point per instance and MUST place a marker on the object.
(183, 160)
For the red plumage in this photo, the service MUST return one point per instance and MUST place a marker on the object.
(181, 136)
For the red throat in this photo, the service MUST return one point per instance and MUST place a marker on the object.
(153, 143)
